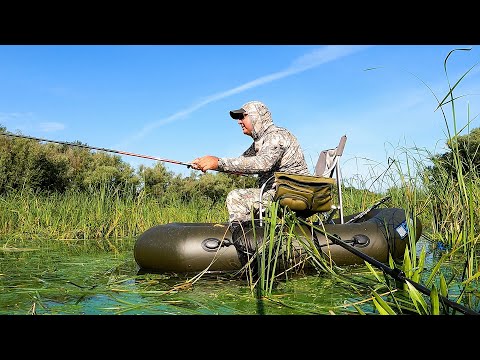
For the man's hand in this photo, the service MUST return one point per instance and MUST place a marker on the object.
(205, 163)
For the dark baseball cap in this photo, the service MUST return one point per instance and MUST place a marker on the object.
(237, 114)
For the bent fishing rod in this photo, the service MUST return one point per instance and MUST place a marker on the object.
(189, 165)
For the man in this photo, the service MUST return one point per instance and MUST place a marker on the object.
(273, 149)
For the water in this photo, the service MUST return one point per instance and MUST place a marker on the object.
(79, 278)
(96, 278)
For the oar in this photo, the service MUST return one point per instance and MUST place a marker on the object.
(366, 211)
(100, 149)
(397, 274)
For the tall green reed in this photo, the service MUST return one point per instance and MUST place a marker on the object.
(103, 213)
(447, 205)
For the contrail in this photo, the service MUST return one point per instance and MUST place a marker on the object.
(306, 62)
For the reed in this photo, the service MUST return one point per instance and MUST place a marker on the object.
(446, 201)
(101, 214)
(423, 185)
(445, 204)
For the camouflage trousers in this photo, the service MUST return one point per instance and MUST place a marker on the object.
(241, 203)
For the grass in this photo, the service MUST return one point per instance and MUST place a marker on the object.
(446, 205)
(100, 215)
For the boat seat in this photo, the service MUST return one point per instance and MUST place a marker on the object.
(301, 193)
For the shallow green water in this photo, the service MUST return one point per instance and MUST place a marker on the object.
(94, 277)
(80, 278)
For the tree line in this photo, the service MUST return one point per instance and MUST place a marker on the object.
(41, 167)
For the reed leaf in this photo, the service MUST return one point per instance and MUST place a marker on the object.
(381, 305)
(373, 271)
(443, 286)
(434, 302)
(417, 298)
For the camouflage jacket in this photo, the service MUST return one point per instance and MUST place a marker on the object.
(273, 149)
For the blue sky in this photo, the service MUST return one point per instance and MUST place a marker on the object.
(173, 101)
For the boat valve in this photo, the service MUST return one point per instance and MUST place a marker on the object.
(360, 240)
(212, 244)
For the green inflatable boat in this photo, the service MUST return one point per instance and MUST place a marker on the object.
(196, 247)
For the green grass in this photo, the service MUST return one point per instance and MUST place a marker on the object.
(99, 215)
(445, 203)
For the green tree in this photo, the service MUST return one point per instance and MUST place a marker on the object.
(30, 164)
(105, 169)
(468, 149)
(156, 180)
(26, 164)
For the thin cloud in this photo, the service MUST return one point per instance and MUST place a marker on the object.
(19, 121)
(321, 56)
(26, 121)
(306, 62)
(51, 126)
(14, 116)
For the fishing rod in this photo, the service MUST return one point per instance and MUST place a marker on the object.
(189, 165)
(395, 273)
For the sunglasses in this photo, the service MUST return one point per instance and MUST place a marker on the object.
(242, 116)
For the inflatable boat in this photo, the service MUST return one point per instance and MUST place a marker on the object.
(213, 247)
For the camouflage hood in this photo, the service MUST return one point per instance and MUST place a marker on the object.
(260, 117)
(273, 149)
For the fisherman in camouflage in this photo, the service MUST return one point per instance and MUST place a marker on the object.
(273, 149)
